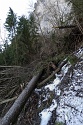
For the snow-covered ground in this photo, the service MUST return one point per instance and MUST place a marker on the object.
(69, 107)
(47, 113)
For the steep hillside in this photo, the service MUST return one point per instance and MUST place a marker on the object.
(49, 43)
(58, 102)
(65, 95)
(50, 14)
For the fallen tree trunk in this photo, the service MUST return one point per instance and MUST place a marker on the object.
(79, 26)
(10, 66)
(63, 27)
(8, 100)
(56, 71)
(12, 115)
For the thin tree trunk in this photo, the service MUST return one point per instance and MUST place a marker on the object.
(63, 27)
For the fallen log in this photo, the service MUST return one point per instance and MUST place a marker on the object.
(12, 115)
(10, 66)
(56, 71)
(79, 26)
(63, 27)
(8, 100)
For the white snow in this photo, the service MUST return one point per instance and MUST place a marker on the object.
(70, 107)
(59, 77)
(79, 53)
(54, 84)
(47, 113)
(65, 68)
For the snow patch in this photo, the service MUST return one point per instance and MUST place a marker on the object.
(59, 77)
(47, 113)
(79, 53)
(70, 107)
(54, 84)
(69, 110)
(65, 68)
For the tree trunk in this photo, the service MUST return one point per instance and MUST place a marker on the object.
(12, 115)
(56, 71)
(63, 27)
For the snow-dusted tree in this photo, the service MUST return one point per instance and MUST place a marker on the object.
(52, 13)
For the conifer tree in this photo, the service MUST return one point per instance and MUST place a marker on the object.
(10, 23)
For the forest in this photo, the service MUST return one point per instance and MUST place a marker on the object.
(27, 44)
(31, 56)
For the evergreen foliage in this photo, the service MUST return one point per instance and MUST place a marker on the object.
(10, 23)
(26, 43)
(23, 36)
(27, 32)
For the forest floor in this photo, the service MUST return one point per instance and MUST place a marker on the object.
(59, 102)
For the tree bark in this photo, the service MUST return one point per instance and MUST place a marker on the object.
(12, 115)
